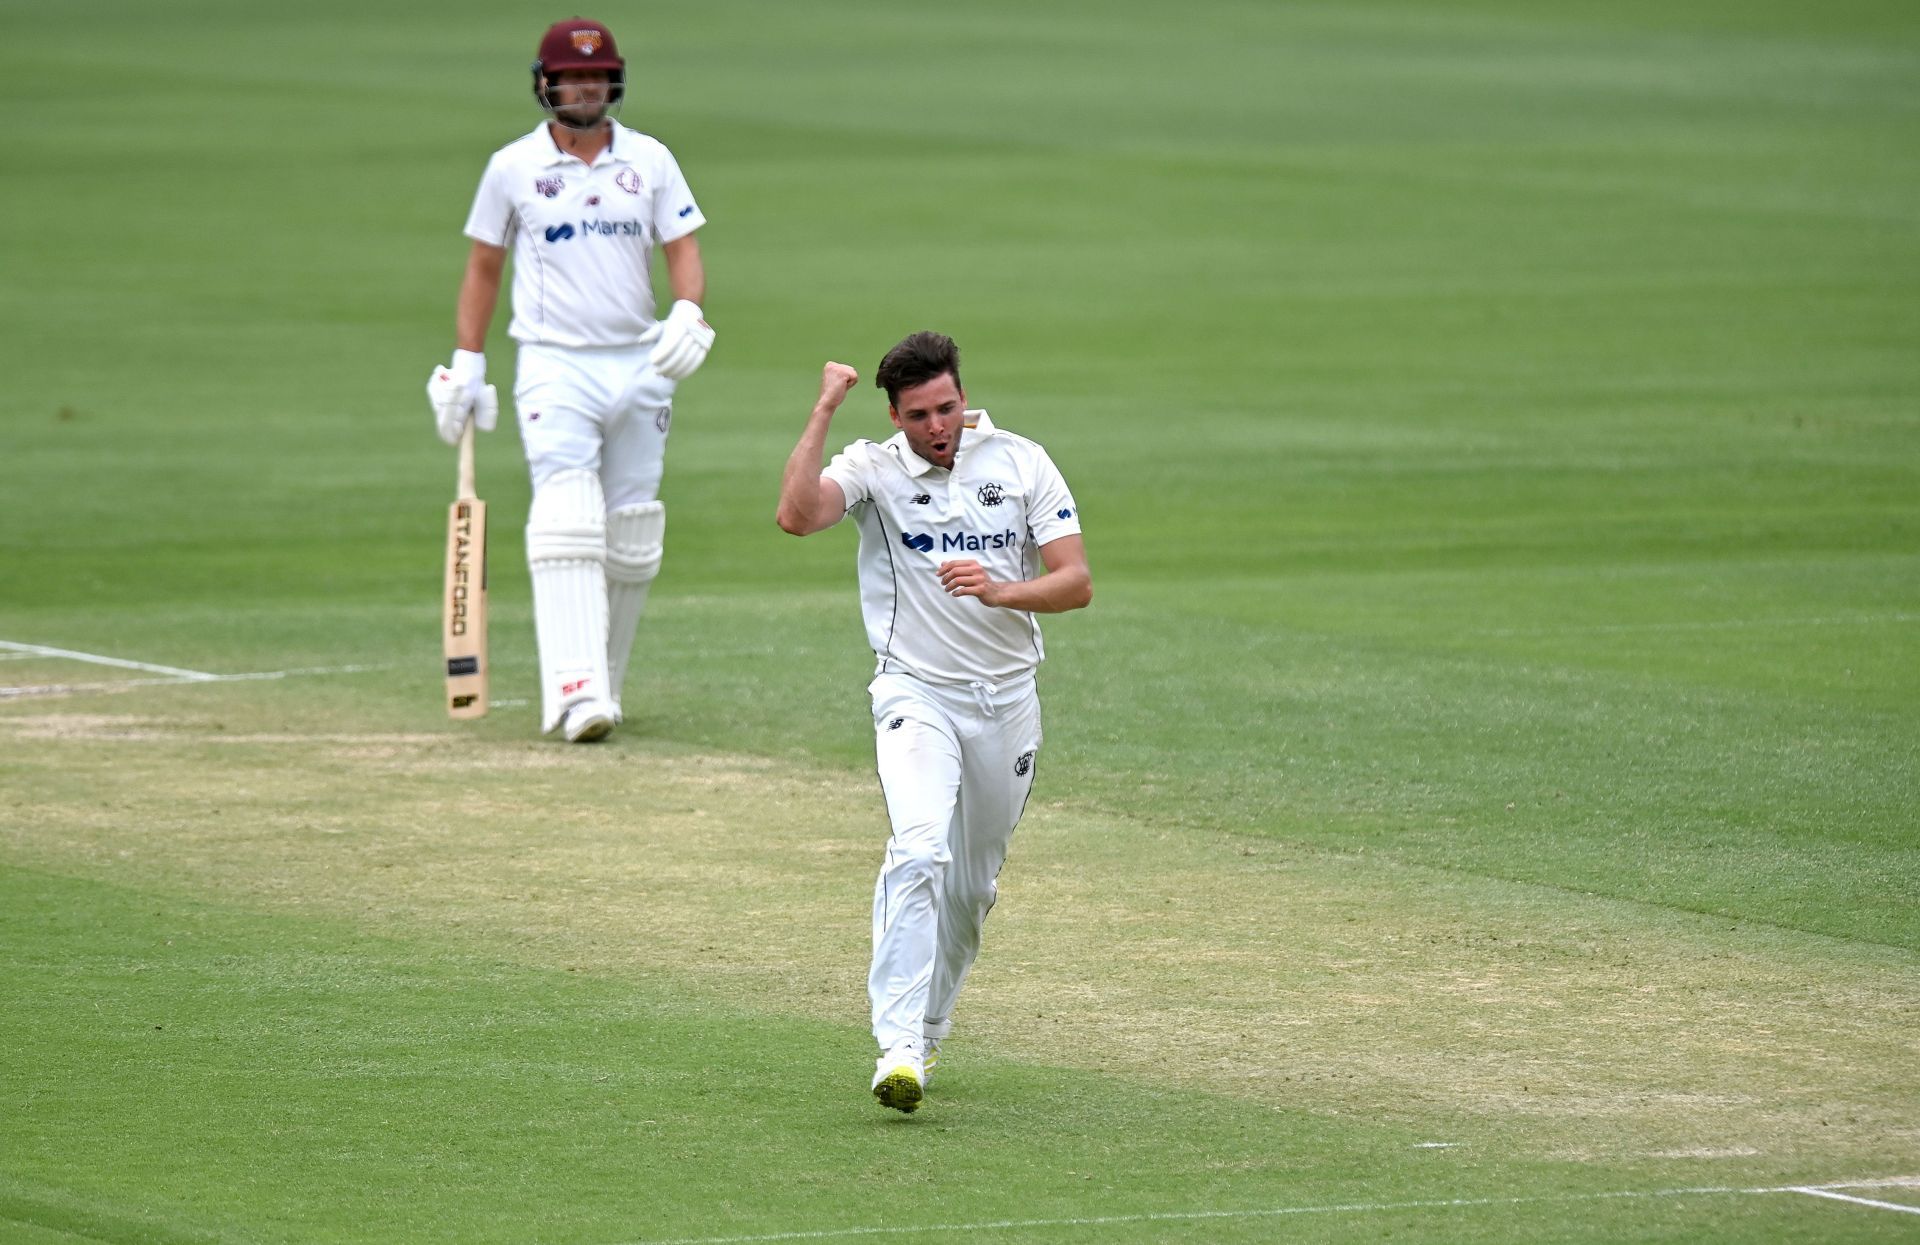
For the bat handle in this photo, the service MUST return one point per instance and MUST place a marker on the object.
(466, 461)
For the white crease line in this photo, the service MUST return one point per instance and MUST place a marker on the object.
(62, 689)
(1858, 1201)
(1716, 625)
(1277, 1212)
(41, 650)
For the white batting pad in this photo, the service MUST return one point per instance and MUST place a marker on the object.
(636, 538)
(567, 556)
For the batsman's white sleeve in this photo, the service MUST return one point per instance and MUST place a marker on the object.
(491, 218)
(675, 214)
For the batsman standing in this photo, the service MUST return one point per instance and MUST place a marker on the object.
(583, 201)
(966, 532)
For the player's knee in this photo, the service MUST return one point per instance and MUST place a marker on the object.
(567, 521)
(916, 858)
(975, 901)
(636, 542)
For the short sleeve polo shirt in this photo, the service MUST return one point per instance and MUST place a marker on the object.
(582, 235)
(1001, 501)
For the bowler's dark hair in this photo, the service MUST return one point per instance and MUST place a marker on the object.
(915, 361)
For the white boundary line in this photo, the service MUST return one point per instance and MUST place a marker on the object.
(1349, 1208)
(1812, 1191)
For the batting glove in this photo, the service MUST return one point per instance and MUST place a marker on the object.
(685, 338)
(459, 391)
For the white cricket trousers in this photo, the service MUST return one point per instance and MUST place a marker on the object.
(602, 409)
(956, 765)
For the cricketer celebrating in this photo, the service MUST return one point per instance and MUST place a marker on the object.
(582, 201)
(966, 532)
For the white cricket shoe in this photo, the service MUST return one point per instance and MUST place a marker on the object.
(588, 721)
(900, 1078)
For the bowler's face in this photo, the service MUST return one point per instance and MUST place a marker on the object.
(932, 415)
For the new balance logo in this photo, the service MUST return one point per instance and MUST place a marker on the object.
(896, 724)
(919, 541)
(921, 499)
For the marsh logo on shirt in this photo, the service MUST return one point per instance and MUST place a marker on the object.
(975, 542)
(559, 233)
(1065, 512)
(614, 228)
(918, 541)
(991, 494)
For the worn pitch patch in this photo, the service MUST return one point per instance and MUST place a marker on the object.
(1238, 965)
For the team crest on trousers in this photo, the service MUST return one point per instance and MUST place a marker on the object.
(1024, 764)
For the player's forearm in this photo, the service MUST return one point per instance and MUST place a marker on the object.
(479, 292)
(1056, 592)
(686, 271)
(800, 483)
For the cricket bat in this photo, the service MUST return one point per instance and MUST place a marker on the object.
(465, 599)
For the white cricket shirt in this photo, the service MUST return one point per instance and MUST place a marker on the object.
(1002, 500)
(582, 235)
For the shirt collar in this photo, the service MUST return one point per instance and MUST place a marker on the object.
(617, 152)
(977, 428)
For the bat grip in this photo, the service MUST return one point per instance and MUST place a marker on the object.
(466, 462)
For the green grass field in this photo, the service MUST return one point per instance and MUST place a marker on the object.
(1479, 806)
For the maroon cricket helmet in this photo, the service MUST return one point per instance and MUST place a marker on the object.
(578, 43)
